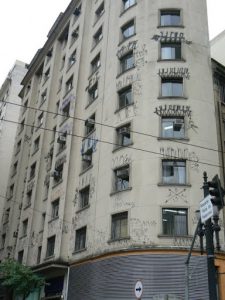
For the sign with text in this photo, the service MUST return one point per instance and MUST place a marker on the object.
(206, 208)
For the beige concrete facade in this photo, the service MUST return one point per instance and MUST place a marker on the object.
(123, 127)
(9, 93)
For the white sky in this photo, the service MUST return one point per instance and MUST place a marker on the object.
(24, 25)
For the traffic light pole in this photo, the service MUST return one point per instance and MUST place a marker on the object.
(210, 248)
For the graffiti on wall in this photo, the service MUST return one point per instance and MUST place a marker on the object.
(121, 160)
(174, 72)
(171, 37)
(140, 56)
(175, 194)
(141, 229)
(131, 46)
(173, 110)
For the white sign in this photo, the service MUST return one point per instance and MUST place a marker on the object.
(138, 289)
(206, 208)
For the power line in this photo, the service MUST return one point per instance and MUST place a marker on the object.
(113, 144)
(113, 127)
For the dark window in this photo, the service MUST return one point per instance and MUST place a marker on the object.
(36, 144)
(72, 59)
(22, 125)
(170, 51)
(29, 197)
(125, 97)
(39, 255)
(24, 227)
(6, 216)
(58, 173)
(119, 228)
(84, 197)
(42, 221)
(123, 135)
(128, 3)
(173, 127)
(95, 64)
(170, 18)
(174, 171)
(32, 170)
(174, 221)
(75, 35)
(40, 120)
(3, 240)
(99, 11)
(86, 160)
(127, 62)
(77, 12)
(50, 246)
(80, 242)
(121, 178)
(55, 209)
(66, 112)
(15, 165)
(64, 36)
(128, 30)
(61, 140)
(69, 85)
(93, 92)
(20, 257)
(18, 147)
(11, 190)
(90, 125)
(47, 75)
(98, 36)
(172, 87)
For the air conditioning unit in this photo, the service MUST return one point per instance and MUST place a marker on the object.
(124, 130)
(86, 158)
(61, 139)
(123, 174)
(178, 125)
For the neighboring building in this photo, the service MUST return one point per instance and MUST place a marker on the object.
(110, 168)
(9, 112)
(217, 45)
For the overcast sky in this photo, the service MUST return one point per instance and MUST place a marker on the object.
(24, 25)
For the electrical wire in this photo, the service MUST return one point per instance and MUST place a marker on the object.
(113, 127)
(113, 144)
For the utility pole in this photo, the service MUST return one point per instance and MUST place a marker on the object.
(210, 248)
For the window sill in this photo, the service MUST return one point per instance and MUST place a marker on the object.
(89, 77)
(125, 39)
(17, 152)
(49, 257)
(27, 206)
(23, 236)
(63, 121)
(92, 49)
(90, 102)
(60, 151)
(174, 184)
(118, 239)
(171, 59)
(172, 97)
(125, 10)
(34, 152)
(53, 219)
(124, 72)
(82, 209)
(32, 177)
(122, 147)
(120, 191)
(79, 251)
(69, 67)
(173, 236)
(121, 108)
(57, 183)
(170, 26)
(67, 92)
(45, 81)
(87, 169)
(172, 139)
(99, 18)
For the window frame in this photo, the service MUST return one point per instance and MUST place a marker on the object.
(131, 3)
(126, 27)
(55, 209)
(124, 92)
(81, 239)
(99, 11)
(98, 36)
(93, 92)
(168, 11)
(170, 89)
(84, 197)
(96, 63)
(174, 120)
(118, 218)
(121, 184)
(68, 85)
(171, 46)
(168, 230)
(124, 62)
(122, 135)
(24, 227)
(50, 249)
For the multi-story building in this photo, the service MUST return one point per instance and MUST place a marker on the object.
(9, 110)
(117, 127)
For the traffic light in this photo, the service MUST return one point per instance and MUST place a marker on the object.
(217, 192)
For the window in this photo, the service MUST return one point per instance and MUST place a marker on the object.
(97, 37)
(86, 160)
(93, 92)
(119, 228)
(29, 198)
(80, 242)
(84, 197)
(53, 133)
(123, 136)
(128, 30)
(32, 170)
(125, 97)
(24, 227)
(77, 12)
(66, 112)
(128, 3)
(61, 140)
(95, 64)
(90, 125)
(74, 35)
(47, 75)
(60, 83)
(15, 165)
(6, 216)
(36, 144)
(55, 209)
(49, 55)
(72, 59)
(63, 62)
(173, 127)
(40, 120)
(121, 178)
(3, 240)
(39, 255)
(18, 146)
(170, 51)
(126, 62)
(46, 187)
(22, 125)
(43, 216)
(172, 87)
(170, 17)
(20, 257)
(58, 173)
(43, 97)
(11, 190)
(174, 221)
(69, 85)
(64, 36)
(174, 171)
(50, 246)
(99, 12)
(25, 106)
